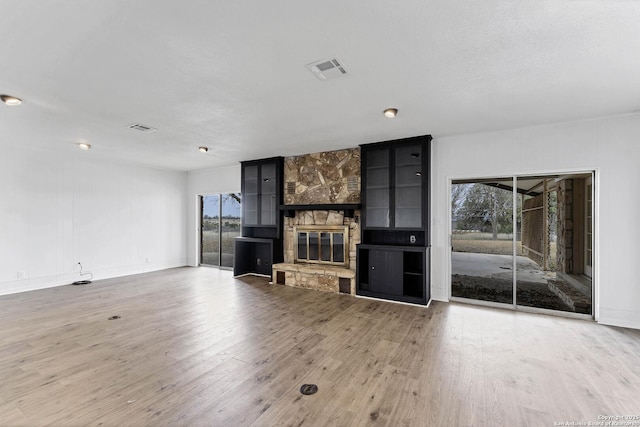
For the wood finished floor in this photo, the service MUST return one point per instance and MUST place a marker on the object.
(194, 346)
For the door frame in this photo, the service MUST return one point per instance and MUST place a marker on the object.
(200, 223)
(588, 221)
(595, 173)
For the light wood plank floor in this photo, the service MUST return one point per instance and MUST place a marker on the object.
(194, 346)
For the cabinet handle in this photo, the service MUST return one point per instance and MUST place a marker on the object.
(373, 267)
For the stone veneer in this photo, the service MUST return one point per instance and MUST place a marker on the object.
(564, 262)
(323, 178)
(320, 277)
(331, 177)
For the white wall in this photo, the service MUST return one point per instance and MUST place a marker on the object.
(611, 146)
(201, 182)
(61, 208)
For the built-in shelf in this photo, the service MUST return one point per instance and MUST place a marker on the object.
(348, 208)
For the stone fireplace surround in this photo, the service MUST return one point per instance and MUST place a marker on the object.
(320, 277)
(323, 179)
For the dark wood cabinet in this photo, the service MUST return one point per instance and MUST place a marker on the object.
(255, 255)
(392, 258)
(393, 272)
(395, 191)
(261, 192)
(377, 206)
(261, 243)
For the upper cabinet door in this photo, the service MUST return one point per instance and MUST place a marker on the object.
(250, 195)
(408, 186)
(395, 191)
(378, 185)
(269, 201)
(262, 197)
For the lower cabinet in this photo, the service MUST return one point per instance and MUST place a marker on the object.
(399, 273)
(256, 255)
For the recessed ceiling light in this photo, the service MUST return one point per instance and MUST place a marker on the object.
(10, 100)
(390, 112)
(84, 146)
(203, 149)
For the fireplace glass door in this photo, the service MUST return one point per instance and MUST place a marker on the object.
(321, 245)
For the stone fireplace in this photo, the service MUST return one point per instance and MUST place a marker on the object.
(321, 230)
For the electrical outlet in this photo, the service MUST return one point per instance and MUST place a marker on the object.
(258, 261)
(412, 238)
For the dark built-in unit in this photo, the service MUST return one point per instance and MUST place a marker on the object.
(261, 243)
(392, 260)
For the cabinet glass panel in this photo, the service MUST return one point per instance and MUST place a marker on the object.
(408, 187)
(377, 190)
(268, 179)
(251, 179)
(409, 155)
(408, 218)
(378, 178)
(250, 196)
(408, 207)
(377, 209)
(268, 206)
(250, 209)
(378, 158)
(268, 210)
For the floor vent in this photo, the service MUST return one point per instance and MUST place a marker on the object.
(308, 389)
(327, 69)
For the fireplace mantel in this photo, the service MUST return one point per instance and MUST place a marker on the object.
(348, 208)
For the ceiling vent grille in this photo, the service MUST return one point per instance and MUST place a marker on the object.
(141, 128)
(327, 69)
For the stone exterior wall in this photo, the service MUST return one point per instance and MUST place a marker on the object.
(564, 262)
(321, 178)
(533, 228)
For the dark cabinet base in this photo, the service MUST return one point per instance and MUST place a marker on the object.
(399, 273)
(256, 255)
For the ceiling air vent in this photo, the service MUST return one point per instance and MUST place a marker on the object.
(327, 69)
(141, 128)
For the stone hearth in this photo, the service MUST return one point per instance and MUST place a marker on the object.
(319, 277)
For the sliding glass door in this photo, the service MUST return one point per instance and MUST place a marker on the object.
(556, 221)
(219, 226)
(524, 241)
(482, 240)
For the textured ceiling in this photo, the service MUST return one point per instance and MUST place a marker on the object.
(231, 75)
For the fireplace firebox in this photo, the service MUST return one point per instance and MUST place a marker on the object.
(326, 244)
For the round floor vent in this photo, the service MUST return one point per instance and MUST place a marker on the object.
(308, 389)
